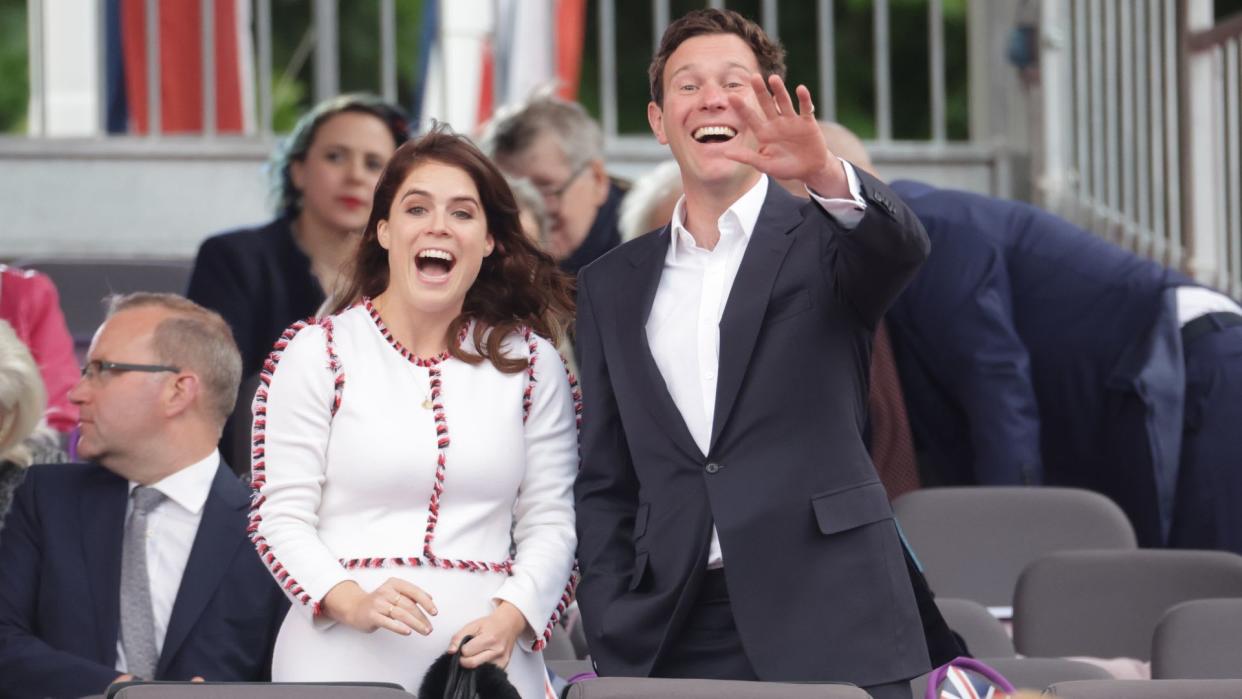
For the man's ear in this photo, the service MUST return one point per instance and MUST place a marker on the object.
(655, 119)
(182, 394)
(381, 233)
(599, 181)
(297, 172)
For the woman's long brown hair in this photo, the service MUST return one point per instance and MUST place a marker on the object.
(518, 284)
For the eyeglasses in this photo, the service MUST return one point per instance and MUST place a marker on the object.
(95, 367)
(555, 193)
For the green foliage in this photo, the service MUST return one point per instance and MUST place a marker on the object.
(14, 85)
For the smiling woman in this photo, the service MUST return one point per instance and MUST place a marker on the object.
(416, 450)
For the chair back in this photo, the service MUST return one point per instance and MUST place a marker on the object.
(985, 636)
(257, 690)
(1200, 640)
(1107, 603)
(644, 687)
(1147, 689)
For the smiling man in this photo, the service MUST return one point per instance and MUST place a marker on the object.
(730, 522)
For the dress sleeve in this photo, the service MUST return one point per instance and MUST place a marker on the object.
(52, 348)
(543, 530)
(301, 388)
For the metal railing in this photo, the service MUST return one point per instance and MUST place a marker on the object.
(1140, 129)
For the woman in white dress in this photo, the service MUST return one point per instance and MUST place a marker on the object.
(415, 452)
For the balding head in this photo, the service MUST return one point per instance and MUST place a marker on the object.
(845, 144)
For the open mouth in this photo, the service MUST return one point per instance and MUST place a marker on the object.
(435, 264)
(714, 134)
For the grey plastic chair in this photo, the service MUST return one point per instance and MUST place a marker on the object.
(1200, 639)
(83, 284)
(973, 542)
(1147, 689)
(643, 688)
(1031, 673)
(258, 690)
(984, 635)
(1107, 603)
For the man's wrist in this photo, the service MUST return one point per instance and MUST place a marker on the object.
(830, 182)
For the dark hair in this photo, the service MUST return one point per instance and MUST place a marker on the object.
(296, 145)
(768, 52)
(518, 284)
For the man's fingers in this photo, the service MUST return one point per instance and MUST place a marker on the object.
(754, 120)
(781, 95)
(416, 594)
(805, 106)
(763, 97)
(743, 155)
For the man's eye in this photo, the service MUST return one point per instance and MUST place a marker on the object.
(688, 88)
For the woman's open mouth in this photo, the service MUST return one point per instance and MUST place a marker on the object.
(434, 265)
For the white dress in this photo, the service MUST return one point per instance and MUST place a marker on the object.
(346, 465)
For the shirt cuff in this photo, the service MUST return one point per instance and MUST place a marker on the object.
(847, 212)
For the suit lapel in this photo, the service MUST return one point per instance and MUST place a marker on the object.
(744, 311)
(220, 532)
(101, 509)
(632, 315)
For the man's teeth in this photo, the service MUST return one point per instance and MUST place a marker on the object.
(436, 254)
(705, 131)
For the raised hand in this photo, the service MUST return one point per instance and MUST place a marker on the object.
(790, 144)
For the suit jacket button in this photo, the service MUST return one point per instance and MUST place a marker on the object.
(712, 467)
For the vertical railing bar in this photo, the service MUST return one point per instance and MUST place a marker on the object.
(1140, 106)
(1099, 192)
(1082, 113)
(388, 50)
(1173, 182)
(1234, 153)
(152, 29)
(716, 4)
(207, 11)
(1159, 175)
(264, 39)
(883, 88)
(660, 20)
(1129, 215)
(1220, 185)
(37, 68)
(608, 68)
(101, 66)
(935, 38)
(327, 56)
(827, 97)
(1111, 130)
(770, 23)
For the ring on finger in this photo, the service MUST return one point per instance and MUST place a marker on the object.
(391, 606)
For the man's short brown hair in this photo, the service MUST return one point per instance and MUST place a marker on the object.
(769, 53)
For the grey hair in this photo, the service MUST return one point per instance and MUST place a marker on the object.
(194, 338)
(516, 127)
(648, 191)
(22, 397)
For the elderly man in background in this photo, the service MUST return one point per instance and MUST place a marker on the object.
(137, 565)
(558, 147)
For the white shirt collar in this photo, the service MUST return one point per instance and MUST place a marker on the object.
(190, 486)
(744, 211)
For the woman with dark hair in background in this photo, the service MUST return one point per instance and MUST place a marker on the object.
(415, 451)
(262, 279)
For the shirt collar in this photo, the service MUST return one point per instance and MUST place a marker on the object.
(745, 211)
(190, 486)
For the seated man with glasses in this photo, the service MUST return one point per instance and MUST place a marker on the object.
(558, 147)
(137, 564)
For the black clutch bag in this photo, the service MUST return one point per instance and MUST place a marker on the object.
(447, 679)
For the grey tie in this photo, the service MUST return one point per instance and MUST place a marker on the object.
(137, 616)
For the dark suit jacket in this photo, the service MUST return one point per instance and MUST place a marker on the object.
(817, 581)
(60, 572)
(1018, 345)
(260, 281)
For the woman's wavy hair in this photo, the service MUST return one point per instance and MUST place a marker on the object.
(294, 148)
(518, 284)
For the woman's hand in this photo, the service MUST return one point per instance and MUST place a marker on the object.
(494, 637)
(397, 605)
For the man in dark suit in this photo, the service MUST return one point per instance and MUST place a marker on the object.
(730, 522)
(138, 564)
(1032, 351)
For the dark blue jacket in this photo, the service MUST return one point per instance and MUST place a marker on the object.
(1016, 346)
(60, 574)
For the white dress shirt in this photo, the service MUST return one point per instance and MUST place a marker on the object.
(171, 528)
(684, 326)
(1195, 301)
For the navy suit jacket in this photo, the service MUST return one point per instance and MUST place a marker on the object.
(60, 573)
(817, 580)
(1017, 345)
